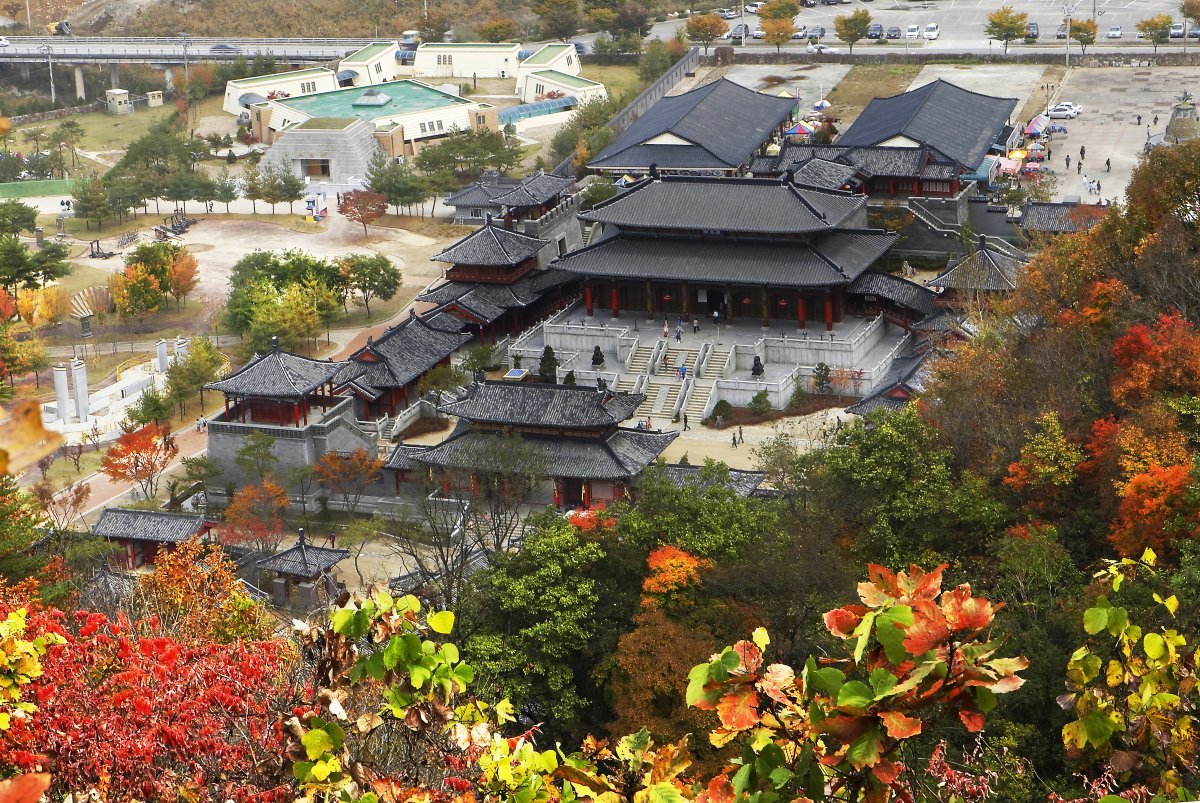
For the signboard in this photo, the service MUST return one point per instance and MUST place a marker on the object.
(85, 326)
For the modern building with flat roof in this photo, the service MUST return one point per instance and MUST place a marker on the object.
(467, 59)
(406, 114)
(374, 64)
(545, 84)
(242, 93)
(559, 57)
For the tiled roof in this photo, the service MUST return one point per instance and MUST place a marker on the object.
(147, 525)
(638, 158)
(744, 206)
(492, 244)
(946, 322)
(833, 258)
(872, 403)
(826, 174)
(487, 301)
(908, 376)
(399, 356)
(527, 404)
(401, 457)
(895, 289)
(277, 375)
(1060, 218)
(743, 483)
(303, 560)
(957, 122)
(620, 456)
(906, 162)
(534, 189)
(723, 122)
(984, 268)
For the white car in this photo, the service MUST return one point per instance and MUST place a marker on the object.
(801, 32)
(933, 31)
(1068, 104)
(1114, 32)
(3, 41)
(754, 7)
(759, 33)
(727, 14)
(1062, 112)
(912, 32)
(823, 49)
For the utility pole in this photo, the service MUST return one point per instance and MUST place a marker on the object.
(50, 65)
(1068, 12)
(186, 75)
(28, 17)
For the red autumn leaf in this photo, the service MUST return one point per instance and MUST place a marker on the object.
(720, 790)
(926, 633)
(750, 654)
(917, 584)
(972, 718)
(738, 709)
(883, 578)
(26, 788)
(842, 621)
(776, 680)
(964, 612)
(887, 771)
(900, 726)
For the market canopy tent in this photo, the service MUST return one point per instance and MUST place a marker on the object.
(1037, 125)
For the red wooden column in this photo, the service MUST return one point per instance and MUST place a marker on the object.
(839, 306)
(474, 485)
(557, 497)
(802, 323)
(587, 298)
(587, 494)
(828, 311)
(446, 484)
(616, 305)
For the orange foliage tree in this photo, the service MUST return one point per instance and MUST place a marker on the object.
(182, 276)
(672, 571)
(140, 456)
(1156, 360)
(255, 515)
(195, 594)
(348, 475)
(1157, 506)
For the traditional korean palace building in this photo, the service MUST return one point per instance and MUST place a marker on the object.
(494, 285)
(508, 198)
(575, 430)
(144, 534)
(925, 142)
(752, 250)
(977, 277)
(713, 130)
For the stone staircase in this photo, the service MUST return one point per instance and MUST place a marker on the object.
(715, 367)
(677, 356)
(701, 390)
(624, 385)
(640, 361)
(660, 400)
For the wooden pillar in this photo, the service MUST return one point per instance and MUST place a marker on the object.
(683, 300)
(766, 313)
(226, 408)
(445, 484)
(828, 311)
(839, 305)
(557, 495)
(587, 493)
(649, 300)
(729, 305)
(296, 413)
(616, 304)
(474, 485)
(404, 395)
(802, 321)
(587, 298)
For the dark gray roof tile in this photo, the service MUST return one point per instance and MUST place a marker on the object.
(1060, 218)
(984, 268)
(277, 375)
(743, 483)
(895, 289)
(527, 404)
(147, 525)
(303, 560)
(399, 356)
(492, 244)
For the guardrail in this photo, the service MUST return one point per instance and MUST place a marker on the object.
(193, 40)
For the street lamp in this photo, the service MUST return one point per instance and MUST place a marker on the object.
(50, 66)
(1068, 12)
(186, 44)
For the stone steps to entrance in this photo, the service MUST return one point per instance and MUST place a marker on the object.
(701, 390)
(640, 360)
(715, 367)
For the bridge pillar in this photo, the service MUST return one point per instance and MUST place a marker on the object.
(79, 86)
(169, 75)
(26, 71)
(113, 78)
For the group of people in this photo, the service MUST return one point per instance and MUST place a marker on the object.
(202, 424)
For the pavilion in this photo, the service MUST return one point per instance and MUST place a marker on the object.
(981, 274)
(508, 198)
(301, 567)
(573, 429)
(494, 284)
(278, 388)
(755, 249)
(143, 534)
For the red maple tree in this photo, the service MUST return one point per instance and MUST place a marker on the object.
(140, 456)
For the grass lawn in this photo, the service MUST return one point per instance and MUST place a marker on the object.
(864, 83)
(63, 470)
(380, 310)
(86, 231)
(104, 131)
(83, 276)
(619, 79)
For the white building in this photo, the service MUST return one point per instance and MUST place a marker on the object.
(546, 84)
(374, 64)
(562, 58)
(241, 93)
(466, 60)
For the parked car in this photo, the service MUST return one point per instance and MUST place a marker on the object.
(894, 33)
(824, 50)
(875, 31)
(933, 31)
(739, 31)
(3, 41)
(1177, 30)
(1114, 32)
(727, 13)
(912, 32)
(1078, 109)
(759, 33)
(754, 7)
(1193, 33)
(1061, 33)
(809, 3)
(801, 32)
(816, 32)
(1061, 112)
(1032, 31)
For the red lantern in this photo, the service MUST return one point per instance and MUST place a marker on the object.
(746, 300)
(783, 302)
(667, 297)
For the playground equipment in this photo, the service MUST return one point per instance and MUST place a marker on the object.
(315, 206)
(96, 252)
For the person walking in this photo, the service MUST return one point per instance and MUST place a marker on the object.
(1082, 151)
(649, 423)
(735, 440)
(685, 423)
(741, 436)
(1097, 186)
(716, 317)
(666, 329)
(197, 424)
(1156, 119)
(1078, 168)
(1108, 165)
(1139, 119)
(695, 325)
(203, 424)
(678, 334)
(1068, 161)
(1049, 154)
